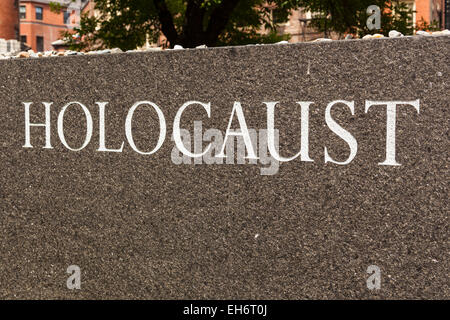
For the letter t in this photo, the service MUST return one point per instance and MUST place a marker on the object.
(390, 126)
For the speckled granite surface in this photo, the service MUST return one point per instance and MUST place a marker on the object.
(143, 227)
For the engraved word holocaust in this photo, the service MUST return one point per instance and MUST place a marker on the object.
(247, 136)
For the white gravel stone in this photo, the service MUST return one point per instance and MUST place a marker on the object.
(422, 33)
(23, 54)
(436, 33)
(322, 40)
(445, 32)
(373, 36)
(395, 34)
(154, 49)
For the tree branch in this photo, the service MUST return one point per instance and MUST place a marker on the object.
(166, 20)
(219, 19)
(193, 32)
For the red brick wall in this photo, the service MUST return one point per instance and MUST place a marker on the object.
(430, 10)
(9, 19)
(50, 27)
(423, 8)
(89, 8)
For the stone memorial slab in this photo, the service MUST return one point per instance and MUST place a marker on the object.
(303, 171)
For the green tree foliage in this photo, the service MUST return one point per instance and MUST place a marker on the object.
(395, 16)
(425, 26)
(349, 16)
(127, 24)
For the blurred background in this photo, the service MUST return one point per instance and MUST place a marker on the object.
(84, 25)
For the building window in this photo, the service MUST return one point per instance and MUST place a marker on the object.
(39, 13)
(66, 17)
(39, 44)
(23, 12)
(23, 39)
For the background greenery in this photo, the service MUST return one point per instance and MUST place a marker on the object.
(127, 24)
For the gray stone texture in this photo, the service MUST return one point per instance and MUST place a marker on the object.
(142, 227)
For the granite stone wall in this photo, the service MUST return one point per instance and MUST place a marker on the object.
(100, 183)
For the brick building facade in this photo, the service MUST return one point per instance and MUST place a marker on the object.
(429, 11)
(40, 26)
(9, 19)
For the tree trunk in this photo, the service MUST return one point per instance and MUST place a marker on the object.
(218, 21)
(166, 20)
(193, 32)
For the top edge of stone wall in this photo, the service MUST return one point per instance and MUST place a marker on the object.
(356, 43)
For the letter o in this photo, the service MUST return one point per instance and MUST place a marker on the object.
(89, 126)
(162, 125)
